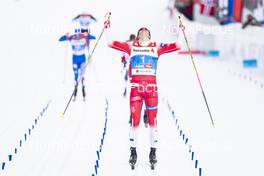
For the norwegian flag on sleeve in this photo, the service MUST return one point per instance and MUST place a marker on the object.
(207, 7)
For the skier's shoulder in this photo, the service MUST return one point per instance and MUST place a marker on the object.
(167, 47)
(129, 43)
(65, 37)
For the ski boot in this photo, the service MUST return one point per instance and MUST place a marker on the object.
(145, 118)
(83, 93)
(133, 157)
(152, 158)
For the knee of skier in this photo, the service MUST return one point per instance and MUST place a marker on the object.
(135, 120)
(74, 66)
(135, 123)
(151, 121)
(151, 114)
(135, 115)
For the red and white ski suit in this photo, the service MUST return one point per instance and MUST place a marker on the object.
(142, 72)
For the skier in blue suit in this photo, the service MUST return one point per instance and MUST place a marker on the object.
(79, 42)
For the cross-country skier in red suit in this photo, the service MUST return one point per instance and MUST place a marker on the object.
(144, 55)
(125, 60)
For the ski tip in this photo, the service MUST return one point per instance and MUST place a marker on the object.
(214, 126)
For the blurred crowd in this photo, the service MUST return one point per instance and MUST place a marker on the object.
(247, 12)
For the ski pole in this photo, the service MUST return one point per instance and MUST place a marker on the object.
(83, 69)
(194, 66)
(108, 18)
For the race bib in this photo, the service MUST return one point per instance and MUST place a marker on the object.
(144, 65)
(143, 61)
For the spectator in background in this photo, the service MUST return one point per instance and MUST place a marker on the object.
(185, 7)
(251, 21)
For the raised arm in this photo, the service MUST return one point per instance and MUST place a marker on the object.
(121, 46)
(167, 48)
(93, 18)
(78, 16)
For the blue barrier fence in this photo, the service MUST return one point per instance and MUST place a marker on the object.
(25, 137)
(247, 77)
(100, 147)
(186, 141)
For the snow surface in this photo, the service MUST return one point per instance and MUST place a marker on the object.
(36, 70)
